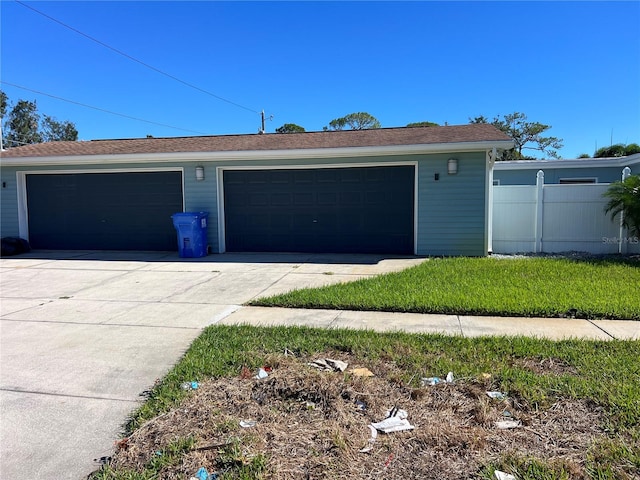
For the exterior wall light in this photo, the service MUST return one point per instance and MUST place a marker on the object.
(199, 173)
(452, 166)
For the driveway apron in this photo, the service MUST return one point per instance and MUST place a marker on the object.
(84, 334)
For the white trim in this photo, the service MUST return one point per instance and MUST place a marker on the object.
(222, 242)
(570, 163)
(220, 179)
(21, 186)
(577, 180)
(266, 155)
(488, 201)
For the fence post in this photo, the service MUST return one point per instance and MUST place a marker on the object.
(539, 210)
(622, 237)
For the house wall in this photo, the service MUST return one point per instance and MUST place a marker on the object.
(450, 212)
(553, 175)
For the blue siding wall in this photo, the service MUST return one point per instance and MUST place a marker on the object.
(8, 203)
(450, 211)
(553, 175)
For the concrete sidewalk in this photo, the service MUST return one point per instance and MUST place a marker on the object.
(467, 326)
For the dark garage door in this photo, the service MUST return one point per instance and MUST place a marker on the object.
(338, 210)
(104, 211)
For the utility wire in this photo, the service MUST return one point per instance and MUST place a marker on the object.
(99, 109)
(120, 52)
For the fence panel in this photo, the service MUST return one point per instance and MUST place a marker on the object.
(514, 218)
(573, 219)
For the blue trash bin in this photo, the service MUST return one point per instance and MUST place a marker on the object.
(192, 233)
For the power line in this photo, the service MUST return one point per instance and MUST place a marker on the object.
(99, 109)
(120, 52)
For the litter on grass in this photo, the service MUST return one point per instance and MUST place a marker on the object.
(497, 395)
(508, 424)
(362, 372)
(372, 440)
(202, 474)
(190, 385)
(430, 381)
(262, 373)
(329, 365)
(247, 423)
(396, 421)
(503, 476)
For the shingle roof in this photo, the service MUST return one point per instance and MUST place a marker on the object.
(270, 141)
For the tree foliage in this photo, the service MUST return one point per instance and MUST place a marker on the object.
(624, 196)
(526, 135)
(290, 128)
(423, 124)
(617, 150)
(354, 121)
(23, 124)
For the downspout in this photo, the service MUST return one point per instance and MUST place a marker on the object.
(491, 160)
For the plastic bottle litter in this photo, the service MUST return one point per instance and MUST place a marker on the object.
(248, 423)
(503, 476)
(360, 405)
(430, 381)
(497, 395)
(262, 373)
(190, 385)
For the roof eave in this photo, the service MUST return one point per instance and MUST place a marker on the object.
(283, 154)
(569, 163)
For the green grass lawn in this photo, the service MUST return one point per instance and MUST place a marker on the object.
(605, 375)
(546, 287)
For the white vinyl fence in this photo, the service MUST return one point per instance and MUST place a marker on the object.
(556, 218)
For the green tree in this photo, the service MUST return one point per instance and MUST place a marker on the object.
(624, 196)
(55, 131)
(423, 124)
(24, 124)
(526, 135)
(355, 121)
(290, 128)
(617, 150)
(3, 104)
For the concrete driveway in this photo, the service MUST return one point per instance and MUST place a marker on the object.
(84, 334)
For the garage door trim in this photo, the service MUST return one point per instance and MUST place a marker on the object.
(21, 179)
(220, 179)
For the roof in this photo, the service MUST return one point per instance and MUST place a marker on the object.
(620, 162)
(383, 137)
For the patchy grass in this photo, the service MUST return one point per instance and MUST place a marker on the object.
(578, 401)
(546, 287)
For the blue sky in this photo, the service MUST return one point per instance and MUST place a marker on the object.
(572, 65)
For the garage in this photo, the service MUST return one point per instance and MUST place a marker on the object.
(103, 211)
(328, 210)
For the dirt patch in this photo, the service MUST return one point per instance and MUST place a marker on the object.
(312, 425)
(547, 366)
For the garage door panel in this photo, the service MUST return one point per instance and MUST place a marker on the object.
(104, 211)
(365, 209)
